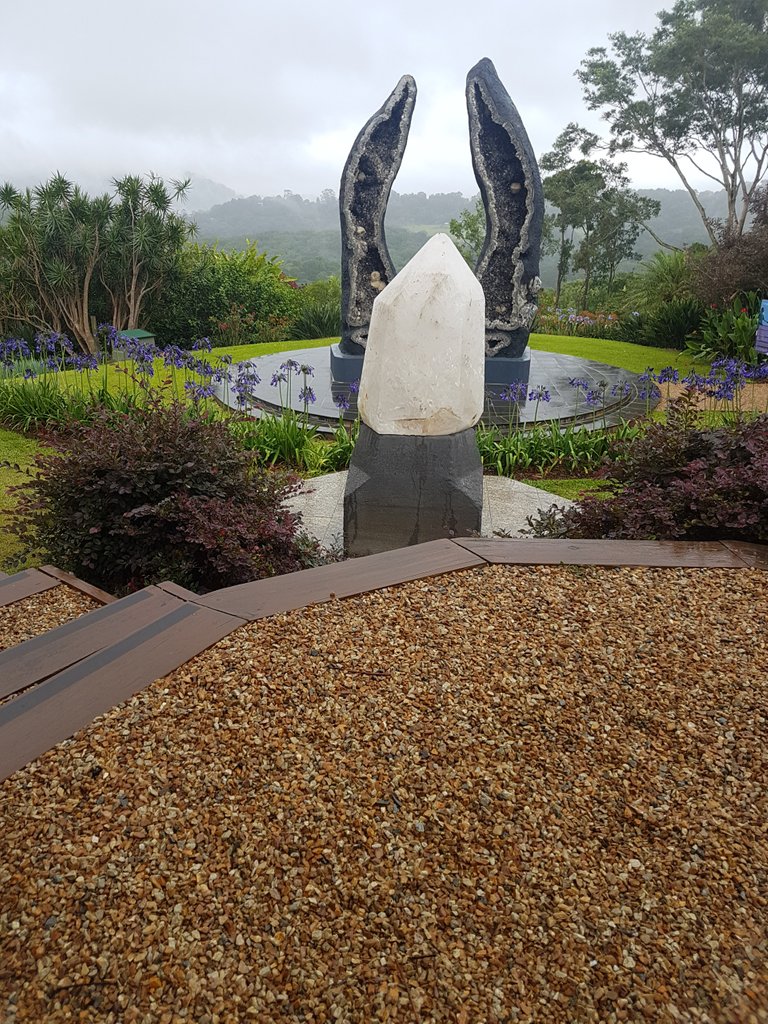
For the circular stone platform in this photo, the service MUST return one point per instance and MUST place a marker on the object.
(621, 390)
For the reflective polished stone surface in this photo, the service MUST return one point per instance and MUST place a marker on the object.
(622, 392)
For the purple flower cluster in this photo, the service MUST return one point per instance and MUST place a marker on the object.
(198, 392)
(539, 394)
(246, 378)
(13, 350)
(726, 378)
(515, 391)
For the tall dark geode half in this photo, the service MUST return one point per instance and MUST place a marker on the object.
(511, 190)
(370, 170)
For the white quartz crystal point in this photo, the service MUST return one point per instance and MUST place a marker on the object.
(424, 367)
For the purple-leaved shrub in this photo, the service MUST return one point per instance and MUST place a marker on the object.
(159, 493)
(678, 480)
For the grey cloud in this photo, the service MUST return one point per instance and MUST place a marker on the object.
(265, 97)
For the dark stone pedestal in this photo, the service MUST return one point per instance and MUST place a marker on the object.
(347, 367)
(507, 369)
(404, 490)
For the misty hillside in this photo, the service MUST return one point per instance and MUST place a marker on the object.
(204, 193)
(305, 233)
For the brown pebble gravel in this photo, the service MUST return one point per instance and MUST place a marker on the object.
(509, 794)
(35, 615)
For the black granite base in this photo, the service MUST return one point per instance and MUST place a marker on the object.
(404, 490)
(346, 368)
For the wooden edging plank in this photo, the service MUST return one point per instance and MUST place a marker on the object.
(753, 555)
(44, 715)
(77, 584)
(341, 579)
(24, 584)
(43, 656)
(648, 553)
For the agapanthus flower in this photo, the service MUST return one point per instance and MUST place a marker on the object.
(175, 357)
(515, 391)
(539, 394)
(669, 375)
(199, 391)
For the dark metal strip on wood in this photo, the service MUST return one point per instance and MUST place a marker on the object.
(24, 584)
(342, 579)
(77, 584)
(648, 553)
(43, 656)
(753, 555)
(44, 715)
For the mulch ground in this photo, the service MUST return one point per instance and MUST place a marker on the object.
(505, 794)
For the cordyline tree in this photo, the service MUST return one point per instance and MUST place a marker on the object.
(141, 244)
(597, 217)
(58, 245)
(694, 93)
(49, 253)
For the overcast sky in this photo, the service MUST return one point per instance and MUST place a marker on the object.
(267, 96)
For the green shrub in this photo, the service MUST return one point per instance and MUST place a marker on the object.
(208, 283)
(319, 310)
(544, 449)
(319, 319)
(39, 402)
(161, 493)
(664, 278)
(571, 322)
(728, 333)
(671, 323)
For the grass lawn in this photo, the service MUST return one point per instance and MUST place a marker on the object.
(570, 488)
(634, 358)
(18, 451)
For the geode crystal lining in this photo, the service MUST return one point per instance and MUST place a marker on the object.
(510, 185)
(366, 182)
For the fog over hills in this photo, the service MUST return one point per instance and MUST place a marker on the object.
(305, 233)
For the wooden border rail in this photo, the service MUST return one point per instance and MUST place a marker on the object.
(55, 684)
(36, 581)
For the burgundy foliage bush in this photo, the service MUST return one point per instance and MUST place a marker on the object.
(677, 481)
(160, 493)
